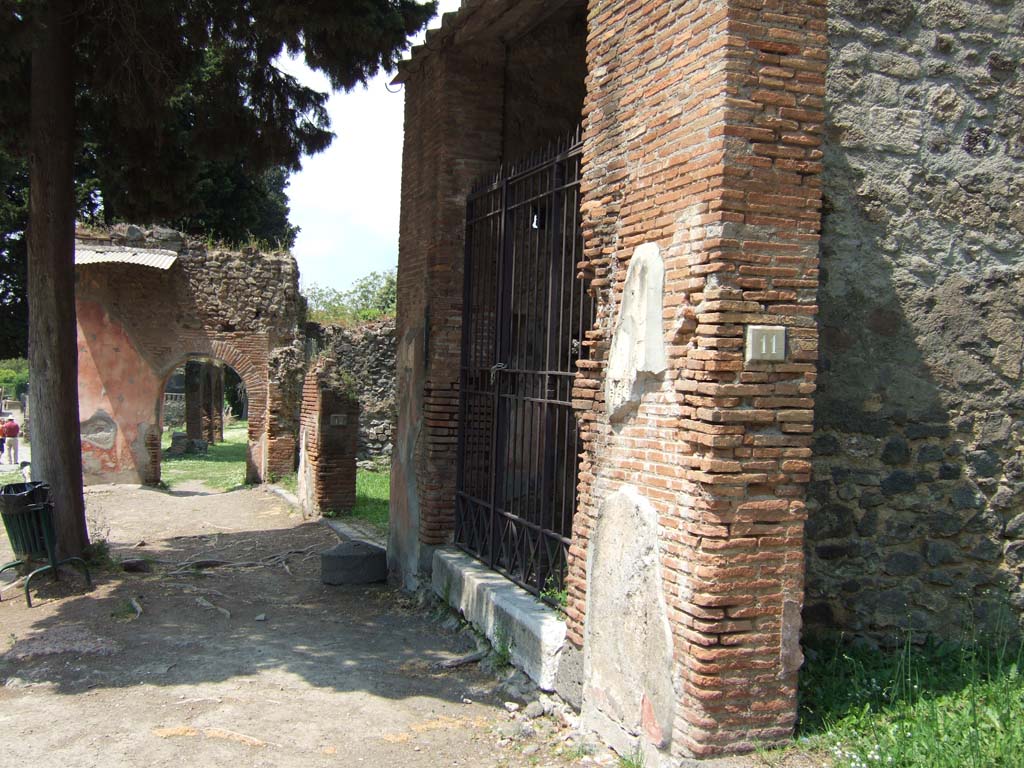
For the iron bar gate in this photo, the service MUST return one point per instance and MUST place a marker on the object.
(524, 319)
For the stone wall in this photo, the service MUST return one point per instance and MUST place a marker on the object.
(918, 482)
(366, 355)
(137, 324)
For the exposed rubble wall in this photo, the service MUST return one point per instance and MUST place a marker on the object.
(136, 324)
(366, 355)
(918, 492)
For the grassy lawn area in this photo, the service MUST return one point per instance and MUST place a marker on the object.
(373, 493)
(221, 469)
(373, 498)
(934, 706)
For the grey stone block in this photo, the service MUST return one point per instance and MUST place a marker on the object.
(353, 562)
(569, 678)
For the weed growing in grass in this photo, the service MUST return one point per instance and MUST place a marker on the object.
(289, 482)
(634, 759)
(940, 705)
(581, 750)
(124, 611)
(97, 556)
(373, 498)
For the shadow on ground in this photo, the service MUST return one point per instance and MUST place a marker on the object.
(218, 623)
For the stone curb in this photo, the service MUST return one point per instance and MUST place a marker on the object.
(507, 615)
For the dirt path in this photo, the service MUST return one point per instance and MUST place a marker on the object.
(256, 666)
(259, 666)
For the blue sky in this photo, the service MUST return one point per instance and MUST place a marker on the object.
(346, 200)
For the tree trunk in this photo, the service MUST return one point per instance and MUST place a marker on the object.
(52, 331)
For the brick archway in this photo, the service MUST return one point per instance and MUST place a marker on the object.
(255, 384)
(146, 304)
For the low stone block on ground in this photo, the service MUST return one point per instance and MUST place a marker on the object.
(353, 562)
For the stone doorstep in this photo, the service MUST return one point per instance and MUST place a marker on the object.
(503, 611)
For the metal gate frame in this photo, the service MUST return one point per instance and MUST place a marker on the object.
(525, 314)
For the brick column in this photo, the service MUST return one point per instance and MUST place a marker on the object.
(208, 375)
(195, 396)
(455, 100)
(281, 433)
(329, 434)
(216, 427)
(703, 125)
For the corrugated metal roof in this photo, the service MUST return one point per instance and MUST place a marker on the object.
(106, 254)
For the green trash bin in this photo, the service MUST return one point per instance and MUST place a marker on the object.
(28, 517)
(26, 529)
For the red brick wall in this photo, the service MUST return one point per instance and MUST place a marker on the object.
(702, 127)
(328, 462)
(455, 100)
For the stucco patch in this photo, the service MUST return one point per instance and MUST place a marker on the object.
(638, 346)
(627, 649)
(100, 430)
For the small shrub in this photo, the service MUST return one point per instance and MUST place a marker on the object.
(97, 555)
(553, 595)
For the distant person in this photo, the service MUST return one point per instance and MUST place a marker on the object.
(10, 433)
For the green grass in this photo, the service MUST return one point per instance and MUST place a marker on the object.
(289, 482)
(634, 759)
(931, 706)
(373, 494)
(221, 469)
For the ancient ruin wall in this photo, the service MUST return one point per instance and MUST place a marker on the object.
(137, 323)
(704, 164)
(918, 480)
(328, 439)
(366, 355)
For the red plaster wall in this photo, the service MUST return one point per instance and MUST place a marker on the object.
(113, 378)
(138, 323)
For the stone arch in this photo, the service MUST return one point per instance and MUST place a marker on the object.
(146, 301)
(256, 390)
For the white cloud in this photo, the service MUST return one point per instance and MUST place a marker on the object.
(346, 200)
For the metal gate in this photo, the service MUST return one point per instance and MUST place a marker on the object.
(524, 319)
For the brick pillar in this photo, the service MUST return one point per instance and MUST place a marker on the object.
(455, 101)
(338, 444)
(195, 394)
(208, 374)
(217, 403)
(281, 432)
(329, 435)
(703, 125)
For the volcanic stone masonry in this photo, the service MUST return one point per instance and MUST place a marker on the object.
(366, 354)
(916, 499)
